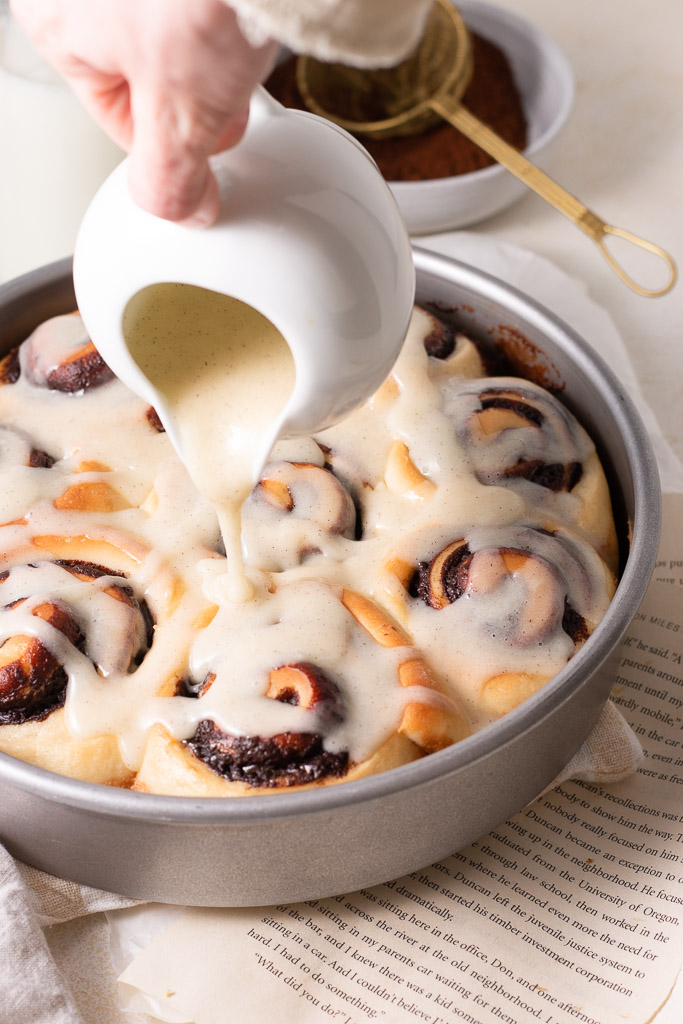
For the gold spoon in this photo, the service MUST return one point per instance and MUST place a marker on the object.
(429, 85)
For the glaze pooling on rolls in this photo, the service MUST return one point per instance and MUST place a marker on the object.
(17, 449)
(286, 759)
(37, 658)
(517, 430)
(520, 436)
(551, 564)
(297, 510)
(77, 626)
(514, 604)
(414, 573)
(360, 700)
(63, 358)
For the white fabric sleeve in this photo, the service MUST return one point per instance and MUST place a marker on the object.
(364, 33)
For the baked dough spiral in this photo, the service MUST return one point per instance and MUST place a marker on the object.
(60, 356)
(71, 610)
(518, 602)
(418, 717)
(518, 435)
(297, 510)
(451, 352)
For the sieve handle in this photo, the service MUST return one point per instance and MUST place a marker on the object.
(451, 110)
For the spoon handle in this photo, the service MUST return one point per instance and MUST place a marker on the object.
(451, 110)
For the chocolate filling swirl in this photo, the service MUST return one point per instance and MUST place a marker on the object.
(87, 369)
(442, 339)
(288, 758)
(10, 368)
(17, 448)
(553, 476)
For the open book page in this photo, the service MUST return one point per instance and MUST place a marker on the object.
(570, 911)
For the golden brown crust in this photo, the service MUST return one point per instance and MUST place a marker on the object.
(506, 691)
(429, 725)
(49, 744)
(91, 496)
(375, 621)
(402, 476)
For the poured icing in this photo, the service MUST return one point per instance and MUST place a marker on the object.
(225, 373)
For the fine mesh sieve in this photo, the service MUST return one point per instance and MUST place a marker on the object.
(428, 86)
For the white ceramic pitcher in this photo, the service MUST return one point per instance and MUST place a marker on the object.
(309, 234)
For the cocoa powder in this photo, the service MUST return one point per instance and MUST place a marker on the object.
(442, 151)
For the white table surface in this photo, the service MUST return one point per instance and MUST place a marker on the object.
(622, 155)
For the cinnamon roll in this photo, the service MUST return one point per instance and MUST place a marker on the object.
(501, 610)
(296, 511)
(60, 356)
(451, 353)
(48, 633)
(266, 723)
(366, 451)
(75, 619)
(519, 436)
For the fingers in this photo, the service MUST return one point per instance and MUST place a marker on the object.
(169, 80)
(107, 99)
(169, 172)
(206, 212)
(189, 105)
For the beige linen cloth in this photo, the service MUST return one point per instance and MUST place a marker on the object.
(32, 990)
(367, 33)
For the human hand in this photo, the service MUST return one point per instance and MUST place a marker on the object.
(168, 80)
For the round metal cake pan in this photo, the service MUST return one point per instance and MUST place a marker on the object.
(290, 847)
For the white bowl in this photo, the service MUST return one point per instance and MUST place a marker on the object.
(545, 80)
